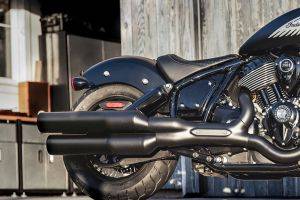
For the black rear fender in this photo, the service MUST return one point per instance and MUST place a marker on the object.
(138, 72)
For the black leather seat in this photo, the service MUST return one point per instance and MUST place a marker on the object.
(176, 68)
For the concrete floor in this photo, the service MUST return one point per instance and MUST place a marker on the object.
(166, 195)
(86, 198)
(158, 196)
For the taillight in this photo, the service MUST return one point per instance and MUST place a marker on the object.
(79, 83)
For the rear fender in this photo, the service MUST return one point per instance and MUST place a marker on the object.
(138, 72)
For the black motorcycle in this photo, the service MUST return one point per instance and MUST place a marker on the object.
(233, 115)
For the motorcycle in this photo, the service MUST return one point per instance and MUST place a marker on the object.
(233, 115)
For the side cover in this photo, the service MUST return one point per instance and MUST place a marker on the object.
(138, 72)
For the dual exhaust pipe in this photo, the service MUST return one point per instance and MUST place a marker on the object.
(131, 133)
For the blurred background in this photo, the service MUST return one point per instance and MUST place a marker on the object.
(45, 42)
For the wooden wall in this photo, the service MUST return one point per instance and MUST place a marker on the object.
(196, 29)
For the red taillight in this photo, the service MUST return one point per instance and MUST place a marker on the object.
(72, 83)
(114, 104)
(79, 83)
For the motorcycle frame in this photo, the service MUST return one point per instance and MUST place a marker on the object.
(154, 99)
(157, 97)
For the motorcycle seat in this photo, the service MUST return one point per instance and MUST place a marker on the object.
(176, 68)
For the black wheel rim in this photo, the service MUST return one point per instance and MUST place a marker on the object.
(98, 162)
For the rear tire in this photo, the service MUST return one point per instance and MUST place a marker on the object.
(141, 184)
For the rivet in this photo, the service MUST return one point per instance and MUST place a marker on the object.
(169, 86)
(106, 73)
(145, 81)
(197, 105)
(218, 159)
(195, 155)
(208, 158)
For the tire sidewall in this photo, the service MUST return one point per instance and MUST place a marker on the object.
(87, 178)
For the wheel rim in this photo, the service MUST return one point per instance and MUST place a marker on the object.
(97, 162)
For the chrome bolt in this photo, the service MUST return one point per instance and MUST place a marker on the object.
(145, 81)
(218, 159)
(181, 105)
(209, 158)
(242, 191)
(209, 83)
(195, 155)
(169, 86)
(227, 190)
(229, 153)
(273, 138)
(106, 73)
(197, 105)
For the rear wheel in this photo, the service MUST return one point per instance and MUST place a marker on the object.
(97, 175)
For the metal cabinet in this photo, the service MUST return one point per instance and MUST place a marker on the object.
(56, 174)
(9, 166)
(31, 134)
(34, 173)
(9, 175)
(41, 171)
(8, 132)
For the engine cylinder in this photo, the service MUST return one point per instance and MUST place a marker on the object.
(260, 77)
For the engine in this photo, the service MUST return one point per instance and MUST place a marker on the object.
(274, 84)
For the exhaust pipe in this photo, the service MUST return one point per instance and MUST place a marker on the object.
(88, 122)
(130, 133)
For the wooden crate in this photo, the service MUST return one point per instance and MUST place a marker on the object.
(34, 97)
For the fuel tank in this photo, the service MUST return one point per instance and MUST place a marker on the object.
(280, 34)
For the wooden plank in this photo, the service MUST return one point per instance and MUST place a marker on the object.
(215, 28)
(290, 187)
(18, 118)
(126, 27)
(164, 25)
(261, 188)
(144, 28)
(275, 188)
(34, 97)
(248, 185)
(150, 29)
(185, 27)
